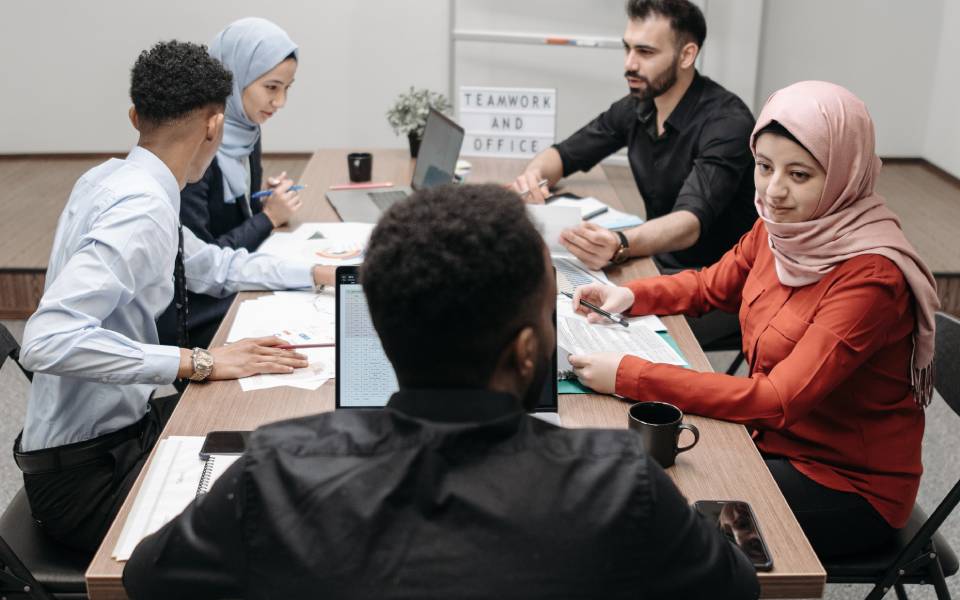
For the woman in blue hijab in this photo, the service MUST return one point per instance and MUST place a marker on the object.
(218, 208)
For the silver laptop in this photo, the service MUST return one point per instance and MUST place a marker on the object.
(365, 377)
(436, 162)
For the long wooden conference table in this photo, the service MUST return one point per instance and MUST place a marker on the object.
(725, 464)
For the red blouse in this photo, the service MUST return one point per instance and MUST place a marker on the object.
(829, 384)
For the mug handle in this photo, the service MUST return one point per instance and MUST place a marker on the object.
(696, 436)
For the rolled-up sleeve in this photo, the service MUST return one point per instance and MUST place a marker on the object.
(723, 156)
(599, 138)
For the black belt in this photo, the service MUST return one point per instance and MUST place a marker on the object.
(51, 460)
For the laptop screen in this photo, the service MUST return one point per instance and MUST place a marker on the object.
(438, 153)
(365, 377)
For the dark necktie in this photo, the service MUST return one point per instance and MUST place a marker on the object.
(180, 294)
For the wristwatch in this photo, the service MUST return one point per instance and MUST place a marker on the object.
(623, 252)
(202, 364)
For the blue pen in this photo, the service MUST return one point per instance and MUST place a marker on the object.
(265, 193)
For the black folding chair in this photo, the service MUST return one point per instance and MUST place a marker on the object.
(919, 555)
(32, 566)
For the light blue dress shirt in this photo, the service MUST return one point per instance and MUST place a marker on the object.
(93, 341)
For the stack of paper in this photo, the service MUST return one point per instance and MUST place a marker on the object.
(571, 273)
(321, 243)
(551, 220)
(599, 213)
(170, 485)
(297, 318)
(575, 335)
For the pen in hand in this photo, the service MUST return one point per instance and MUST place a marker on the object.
(265, 193)
(540, 184)
(615, 318)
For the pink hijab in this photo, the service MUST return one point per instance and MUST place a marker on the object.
(850, 219)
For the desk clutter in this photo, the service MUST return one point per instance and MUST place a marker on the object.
(299, 318)
(332, 244)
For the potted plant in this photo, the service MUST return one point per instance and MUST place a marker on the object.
(408, 115)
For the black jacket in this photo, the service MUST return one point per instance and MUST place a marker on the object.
(444, 494)
(204, 211)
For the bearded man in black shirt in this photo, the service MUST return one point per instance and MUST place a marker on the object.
(453, 490)
(687, 141)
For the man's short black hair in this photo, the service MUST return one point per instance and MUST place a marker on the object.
(686, 18)
(451, 275)
(173, 79)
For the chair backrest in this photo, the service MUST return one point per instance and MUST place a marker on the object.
(947, 382)
(946, 376)
(10, 348)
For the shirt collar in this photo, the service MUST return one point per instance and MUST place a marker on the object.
(681, 115)
(454, 405)
(159, 170)
(686, 108)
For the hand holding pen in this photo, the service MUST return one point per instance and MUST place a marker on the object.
(532, 186)
(280, 202)
(599, 302)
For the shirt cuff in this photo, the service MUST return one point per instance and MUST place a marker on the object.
(629, 374)
(296, 276)
(565, 166)
(160, 363)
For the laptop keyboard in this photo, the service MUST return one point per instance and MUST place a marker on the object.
(385, 200)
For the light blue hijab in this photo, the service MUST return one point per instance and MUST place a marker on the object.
(248, 48)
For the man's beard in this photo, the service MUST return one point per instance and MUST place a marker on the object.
(532, 398)
(660, 84)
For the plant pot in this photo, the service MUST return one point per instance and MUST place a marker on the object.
(414, 140)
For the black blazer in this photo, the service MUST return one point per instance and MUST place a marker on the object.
(204, 212)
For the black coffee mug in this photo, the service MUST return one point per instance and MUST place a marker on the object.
(660, 425)
(360, 166)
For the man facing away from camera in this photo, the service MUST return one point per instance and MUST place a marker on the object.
(453, 490)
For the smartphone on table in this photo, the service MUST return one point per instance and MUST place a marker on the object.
(737, 521)
(224, 442)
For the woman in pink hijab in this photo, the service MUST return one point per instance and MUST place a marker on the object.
(837, 316)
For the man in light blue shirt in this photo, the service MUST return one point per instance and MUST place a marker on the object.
(91, 418)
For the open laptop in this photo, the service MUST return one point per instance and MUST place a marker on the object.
(365, 377)
(436, 162)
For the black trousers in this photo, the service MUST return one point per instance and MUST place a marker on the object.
(836, 523)
(715, 330)
(76, 505)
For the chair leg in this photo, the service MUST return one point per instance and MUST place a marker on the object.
(901, 593)
(939, 581)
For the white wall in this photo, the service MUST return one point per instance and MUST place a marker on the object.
(69, 93)
(882, 50)
(943, 122)
(732, 48)
(64, 67)
(587, 80)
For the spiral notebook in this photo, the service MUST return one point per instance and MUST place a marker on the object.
(213, 468)
(175, 477)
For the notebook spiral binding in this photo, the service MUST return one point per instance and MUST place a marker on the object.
(205, 478)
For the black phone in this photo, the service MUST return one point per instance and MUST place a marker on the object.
(736, 520)
(224, 442)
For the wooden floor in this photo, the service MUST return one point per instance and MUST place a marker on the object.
(33, 192)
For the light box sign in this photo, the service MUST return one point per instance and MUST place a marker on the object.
(507, 122)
